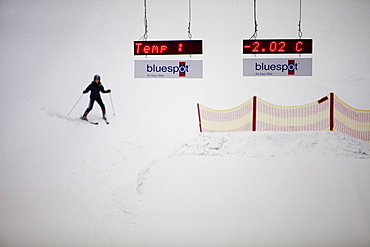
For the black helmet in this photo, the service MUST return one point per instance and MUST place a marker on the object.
(96, 77)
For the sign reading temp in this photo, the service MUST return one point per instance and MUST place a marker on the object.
(168, 47)
(168, 68)
(277, 67)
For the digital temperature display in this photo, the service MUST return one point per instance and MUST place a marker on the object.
(168, 47)
(282, 46)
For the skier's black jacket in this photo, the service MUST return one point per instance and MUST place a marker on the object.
(95, 89)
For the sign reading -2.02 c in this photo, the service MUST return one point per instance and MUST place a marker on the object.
(168, 47)
(281, 46)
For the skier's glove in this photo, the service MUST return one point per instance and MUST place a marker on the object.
(108, 91)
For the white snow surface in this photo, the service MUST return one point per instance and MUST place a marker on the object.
(149, 178)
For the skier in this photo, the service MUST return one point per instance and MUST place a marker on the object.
(95, 87)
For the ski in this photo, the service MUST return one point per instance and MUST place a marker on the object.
(86, 120)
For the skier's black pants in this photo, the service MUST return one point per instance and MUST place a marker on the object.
(91, 105)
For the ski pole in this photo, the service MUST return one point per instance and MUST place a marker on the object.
(75, 104)
(111, 101)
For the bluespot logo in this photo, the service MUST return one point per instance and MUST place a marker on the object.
(290, 67)
(181, 69)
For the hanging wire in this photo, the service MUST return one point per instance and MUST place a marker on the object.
(254, 36)
(189, 32)
(300, 34)
(145, 35)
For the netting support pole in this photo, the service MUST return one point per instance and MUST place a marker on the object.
(199, 119)
(331, 111)
(254, 114)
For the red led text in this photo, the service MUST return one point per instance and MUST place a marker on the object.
(149, 49)
(277, 46)
(167, 47)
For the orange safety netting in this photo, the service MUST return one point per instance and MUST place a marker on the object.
(328, 113)
(236, 119)
(351, 121)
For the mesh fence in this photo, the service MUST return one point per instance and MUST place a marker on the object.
(351, 121)
(328, 113)
(235, 119)
(310, 117)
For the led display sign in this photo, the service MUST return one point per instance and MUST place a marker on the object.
(280, 46)
(168, 47)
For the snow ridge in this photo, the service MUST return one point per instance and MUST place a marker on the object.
(276, 144)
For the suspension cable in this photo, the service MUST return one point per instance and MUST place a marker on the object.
(254, 36)
(189, 32)
(145, 35)
(300, 34)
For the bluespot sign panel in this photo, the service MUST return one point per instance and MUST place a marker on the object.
(168, 69)
(277, 67)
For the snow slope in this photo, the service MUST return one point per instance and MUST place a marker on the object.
(149, 178)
